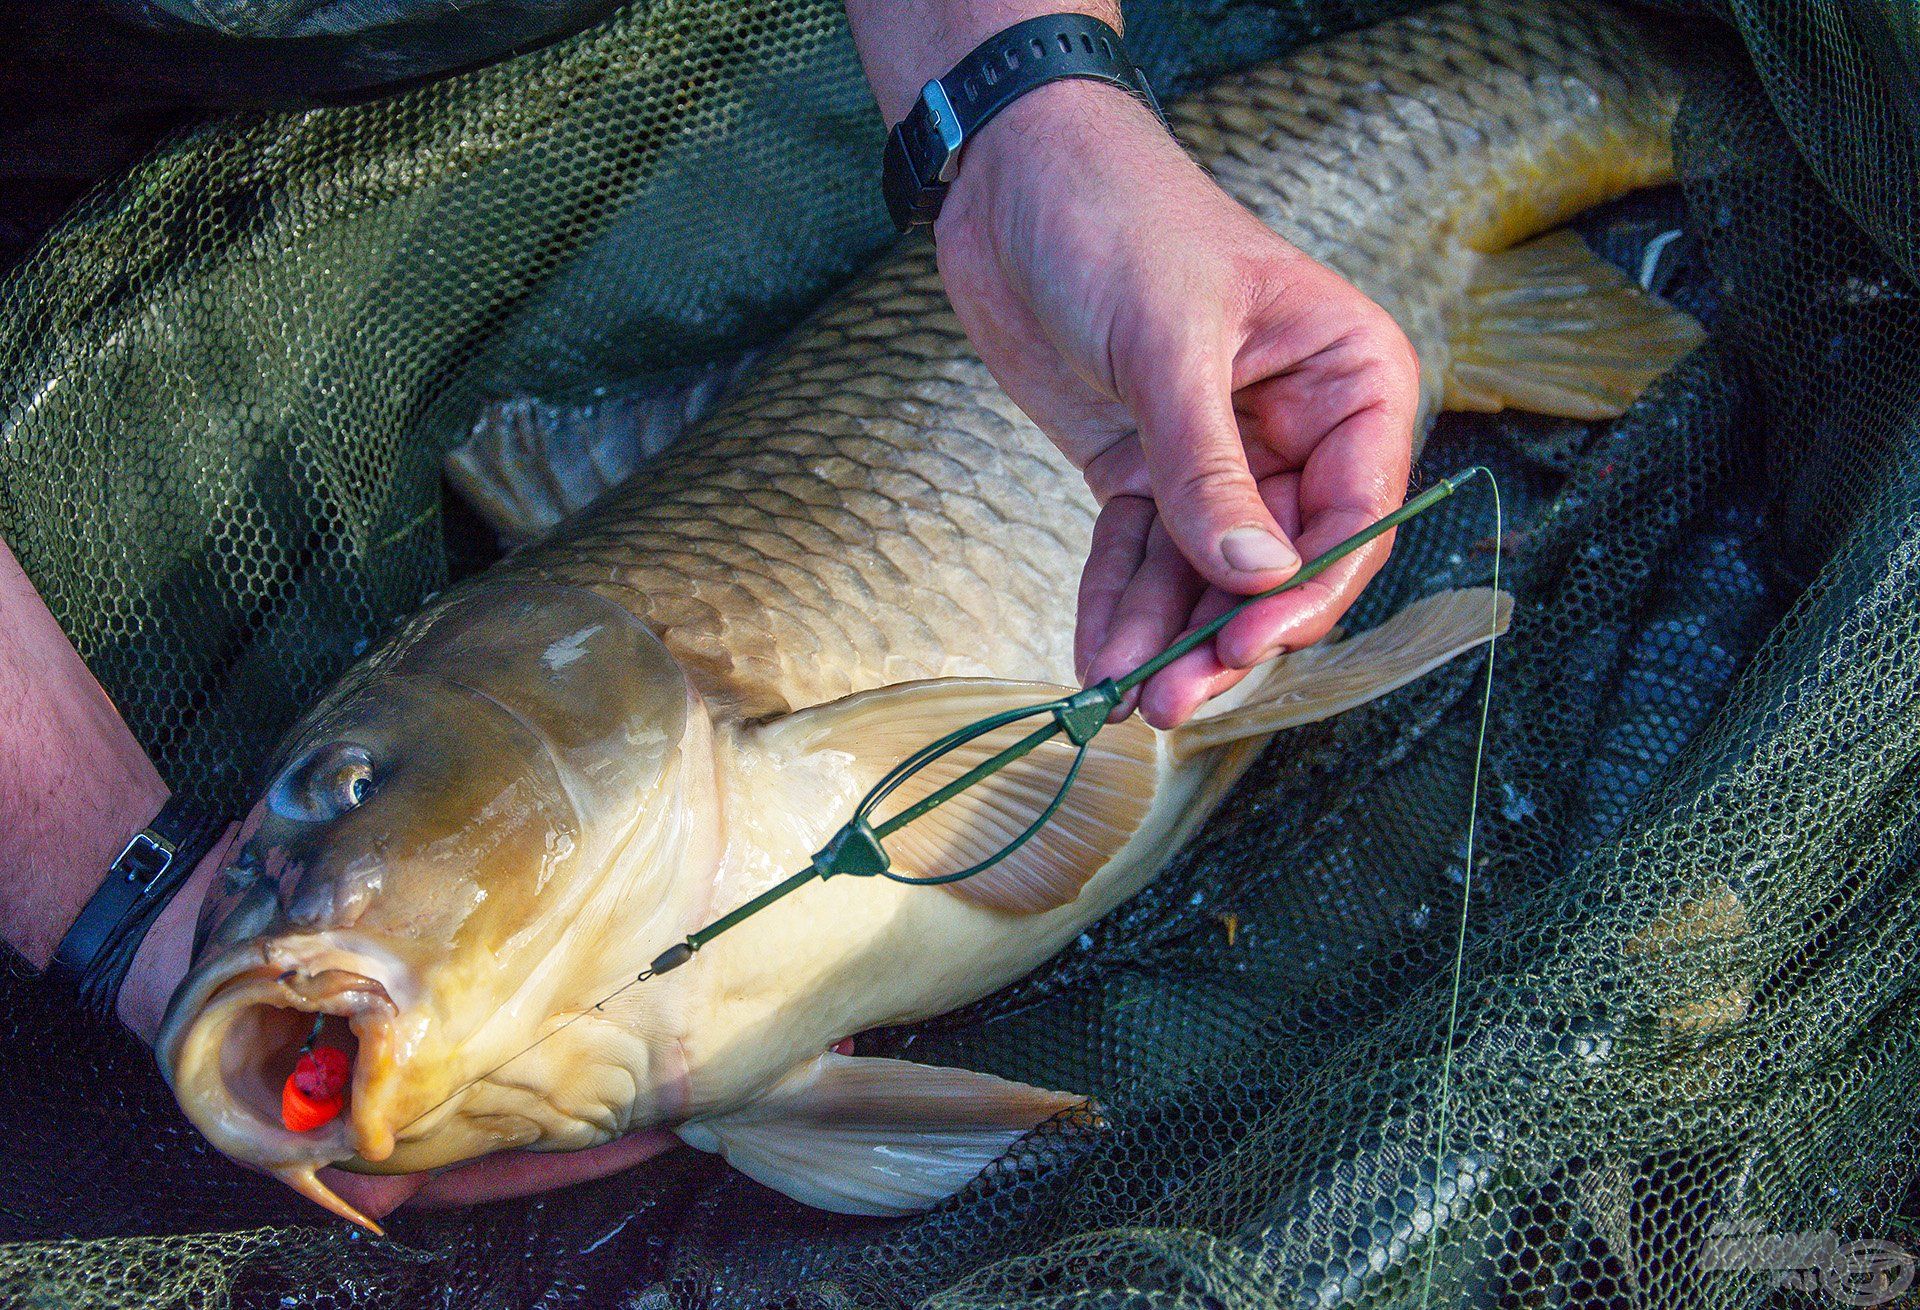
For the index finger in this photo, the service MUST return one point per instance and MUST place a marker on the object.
(1298, 618)
(1354, 477)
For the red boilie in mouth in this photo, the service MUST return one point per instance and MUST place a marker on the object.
(315, 1092)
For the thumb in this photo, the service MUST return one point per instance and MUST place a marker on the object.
(1197, 464)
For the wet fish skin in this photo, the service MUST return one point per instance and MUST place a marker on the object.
(1403, 180)
(622, 732)
(872, 510)
(1360, 155)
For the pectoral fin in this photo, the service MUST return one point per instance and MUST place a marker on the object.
(858, 1135)
(1550, 327)
(1334, 676)
(1108, 800)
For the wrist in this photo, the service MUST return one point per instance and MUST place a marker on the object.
(74, 784)
(168, 949)
(1055, 140)
(163, 957)
(904, 44)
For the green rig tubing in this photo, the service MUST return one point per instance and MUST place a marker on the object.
(856, 848)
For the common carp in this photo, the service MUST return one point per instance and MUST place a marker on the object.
(609, 739)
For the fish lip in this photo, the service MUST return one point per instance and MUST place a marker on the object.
(315, 974)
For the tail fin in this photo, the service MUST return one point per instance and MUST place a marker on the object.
(1550, 327)
(1336, 675)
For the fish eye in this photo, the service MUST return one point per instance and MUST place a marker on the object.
(329, 782)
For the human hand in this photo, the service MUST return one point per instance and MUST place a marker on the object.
(1234, 405)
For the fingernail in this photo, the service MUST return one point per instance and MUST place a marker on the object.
(1254, 550)
(1255, 658)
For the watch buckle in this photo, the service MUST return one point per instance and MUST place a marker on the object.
(144, 849)
(945, 122)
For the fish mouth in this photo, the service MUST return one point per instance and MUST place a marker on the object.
(236, 1030)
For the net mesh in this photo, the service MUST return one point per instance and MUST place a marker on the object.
(1688, 1035)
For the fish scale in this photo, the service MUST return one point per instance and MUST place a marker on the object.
(1396, 153)
(862, 465)
(872, 508)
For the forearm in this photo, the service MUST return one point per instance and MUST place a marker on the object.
(905, 43)
(74, 784)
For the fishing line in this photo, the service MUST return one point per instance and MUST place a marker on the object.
(856, 849)
(635, 981)
(1466, 899)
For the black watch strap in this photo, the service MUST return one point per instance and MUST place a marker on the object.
(923, 150)
(94, 956)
